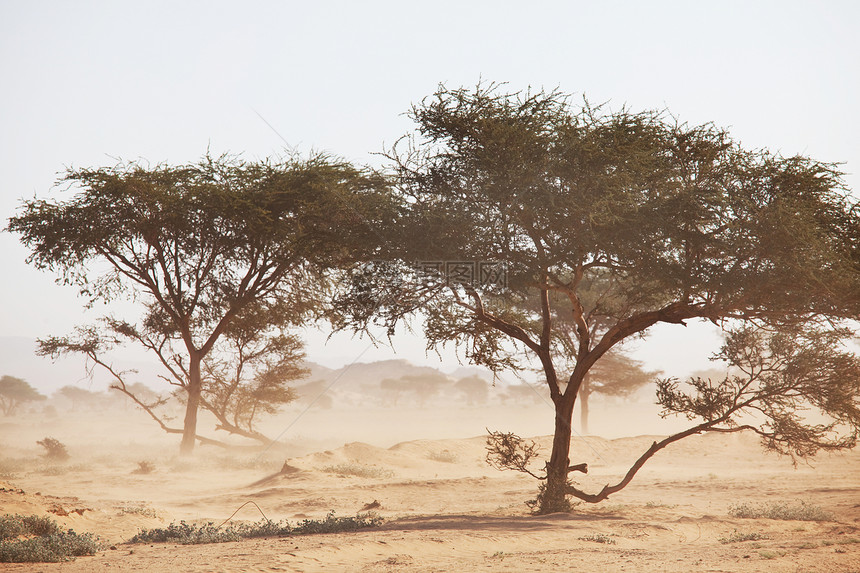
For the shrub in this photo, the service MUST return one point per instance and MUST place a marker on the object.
(35, 539)
(144, 467)
(738, 537)
(189, 534)
(801, 511)
(598, 538)
(54, 449)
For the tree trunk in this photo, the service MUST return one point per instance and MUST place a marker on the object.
(189, 429)
(583, 411)
(553, 498)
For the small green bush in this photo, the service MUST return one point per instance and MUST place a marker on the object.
(35, 539)
(800, 511)
(14, 526)
(189, 534)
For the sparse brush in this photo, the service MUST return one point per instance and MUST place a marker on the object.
(188, 534)
(445, 456)
(739, 537)
(800, 511)
(655, 504)
(144, 467)
(54, 449)
(35, 539)
(9, 469)
(358, 470)
(598, 538)
(137, 510)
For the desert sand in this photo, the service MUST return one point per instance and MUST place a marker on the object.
(445, 509)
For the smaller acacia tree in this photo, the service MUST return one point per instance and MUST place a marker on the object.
(14, 392)
(246, 374)
(196, 247)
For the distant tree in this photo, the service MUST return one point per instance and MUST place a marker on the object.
(14, 392)
(423, 386)
(527, 393)
(195, 247)
(615, 221)
(474, 388)
(615, 374)
(314, 393)
(78, 396)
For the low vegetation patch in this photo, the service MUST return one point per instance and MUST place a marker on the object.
(34, 539)
(137, 510)
(358, 470)
(55, 450)
(144, 467)
(190, 534)
(598, 538)
(739, 536)
(799, 511)
(445, 456)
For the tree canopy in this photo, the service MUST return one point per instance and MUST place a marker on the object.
(197, 247)
(14, 392)
(606, 223)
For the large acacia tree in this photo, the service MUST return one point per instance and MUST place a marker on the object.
(607, 223)
(200, 248)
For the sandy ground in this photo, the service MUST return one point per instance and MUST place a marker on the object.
(445, 509)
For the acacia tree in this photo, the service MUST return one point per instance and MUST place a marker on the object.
(14, 392)
(196, 246)
(613, 221)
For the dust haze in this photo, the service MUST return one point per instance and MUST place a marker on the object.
(366, 436)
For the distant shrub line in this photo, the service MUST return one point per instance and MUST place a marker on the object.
(190, 534)
(800, 511)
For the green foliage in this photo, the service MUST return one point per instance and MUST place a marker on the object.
(14, 392)
(188, 534)
(55, 450)
(29, 539)
(800, 511)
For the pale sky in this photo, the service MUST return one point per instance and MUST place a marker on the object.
(84, 83)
